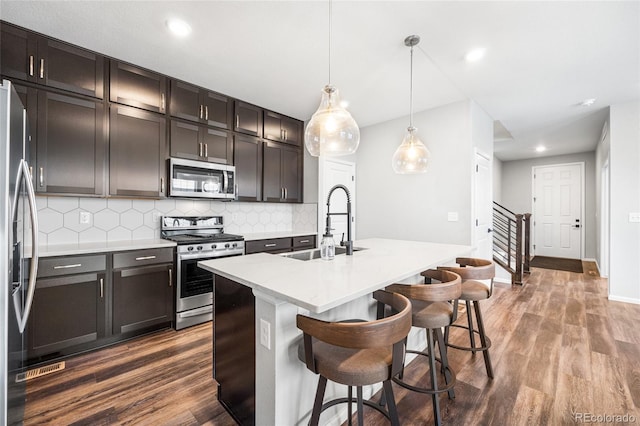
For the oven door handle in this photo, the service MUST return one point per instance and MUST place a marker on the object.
(196, 256)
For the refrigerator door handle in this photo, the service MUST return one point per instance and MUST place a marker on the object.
(23, 315)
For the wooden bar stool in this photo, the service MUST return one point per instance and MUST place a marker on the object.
(432, 310)
(477, 284)
(357, 354)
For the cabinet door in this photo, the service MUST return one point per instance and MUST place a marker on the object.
(247, 157)
(142, 297)
(272, 189)
(67, 311)
(217, 109)
(70, 68)
(137, 152)
(292, 174)
(185, 101)
(185, 140)
(218, 145)
(293, 131)
(248, 119)
(17, 53)
(70, 145)
(134, 86)
(273, 126)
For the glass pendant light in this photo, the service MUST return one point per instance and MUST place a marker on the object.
(331, 131)
(412, 156)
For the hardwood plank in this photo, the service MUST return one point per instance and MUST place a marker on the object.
(532, 407)
(613, 396)
(575, 356)
(574, 395)
(600, 336)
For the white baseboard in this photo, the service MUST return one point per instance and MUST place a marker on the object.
(624, 299)
(502, 280)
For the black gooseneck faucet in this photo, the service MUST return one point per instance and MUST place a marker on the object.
(349, 243)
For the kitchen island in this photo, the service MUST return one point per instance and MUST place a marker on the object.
(332, 290)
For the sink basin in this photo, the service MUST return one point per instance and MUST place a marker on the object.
(315, 253)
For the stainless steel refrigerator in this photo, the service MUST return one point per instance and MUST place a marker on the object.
(18, 252)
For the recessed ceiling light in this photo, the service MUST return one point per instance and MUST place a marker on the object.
(588, 102)
(475, 54)
(540, 148)
(179, 27)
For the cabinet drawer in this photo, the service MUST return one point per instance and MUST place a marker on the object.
(56, 266)
(142, 257)
(306, 241)
(277, 244)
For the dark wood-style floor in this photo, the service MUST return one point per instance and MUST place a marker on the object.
(559, 348)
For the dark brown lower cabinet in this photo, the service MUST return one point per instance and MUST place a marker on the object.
(69, 306)
(142, 297)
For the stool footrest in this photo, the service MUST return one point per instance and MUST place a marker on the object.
(469, 348)
(366, 402)
(429, 391)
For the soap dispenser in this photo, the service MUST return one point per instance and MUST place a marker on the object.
(327, 247)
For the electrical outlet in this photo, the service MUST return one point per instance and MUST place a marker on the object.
(156, 217)
(265, 333)
(634, 217)
(452, 216)
(85, 218)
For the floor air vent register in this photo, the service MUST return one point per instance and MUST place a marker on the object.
(38, 372)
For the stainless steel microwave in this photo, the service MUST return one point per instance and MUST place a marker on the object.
(198, 179)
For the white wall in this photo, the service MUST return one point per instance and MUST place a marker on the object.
(517, 186)
(624, 277)
(602, 156)
(414, 207)
(497, 180)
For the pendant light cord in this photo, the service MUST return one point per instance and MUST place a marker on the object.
(330, 19)
(411, 92)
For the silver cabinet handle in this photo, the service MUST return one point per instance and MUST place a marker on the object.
(31, 172)
(41, 176)
(238, 120)
(206, 150)
(199, 149)
(270, 245)
(162, 102)
(281, 133)
(31, 65)
(285, 193)
(41, 68)
(75, 265)
(170, 277)
(200, 114)
(162, 185)
(304, 241)
(285, 134)
(101, 288)
(206, 112)
(145, 257)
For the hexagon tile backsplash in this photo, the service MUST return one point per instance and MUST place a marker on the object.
(59, 218)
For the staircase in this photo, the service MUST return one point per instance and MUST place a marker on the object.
(511, 241)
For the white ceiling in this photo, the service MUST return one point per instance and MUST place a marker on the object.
(542, 58)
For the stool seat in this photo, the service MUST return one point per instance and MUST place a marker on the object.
(351, 367)
(431, 314)
(474, 290)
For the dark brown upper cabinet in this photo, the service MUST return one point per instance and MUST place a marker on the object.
(198, 142)
(70, 143)
(194, 103)
(137, 153)
(282, 173)
(247, 119)
(31, 57)
(137, 87)
(247, 157)
(281, 128)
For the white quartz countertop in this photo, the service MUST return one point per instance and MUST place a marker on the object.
(103, 247)
(272, 235)
(319, 285)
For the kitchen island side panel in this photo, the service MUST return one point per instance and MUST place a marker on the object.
(234, 348)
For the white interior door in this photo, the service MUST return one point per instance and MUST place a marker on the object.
(334, 172)
(557, 210)
(483, 207)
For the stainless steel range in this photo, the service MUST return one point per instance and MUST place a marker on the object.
(199, 238)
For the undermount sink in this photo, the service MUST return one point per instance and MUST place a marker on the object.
(315, 253)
